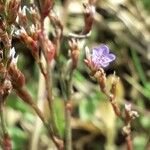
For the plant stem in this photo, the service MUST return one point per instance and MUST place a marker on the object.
(6, 141)
(129, 142)
(68, 109)
(48, 80)
(3, 126)
(66, 92)
(38, 123)
(68, 133)
(48, 84)
(25, 96)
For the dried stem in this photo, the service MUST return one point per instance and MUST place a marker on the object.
(6, 138)
(68, 132)
(48, 84)
(3, 126)
(38, 124)
(89, 11)
(25, 96)
(100, 75)
(129, 142)
(68, 109)
(47, 75)
(48, 79)
(65, 91)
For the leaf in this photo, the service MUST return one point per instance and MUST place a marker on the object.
(88, 106)
(139, 142)
(19, 138)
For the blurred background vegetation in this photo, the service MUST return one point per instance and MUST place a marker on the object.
(124, 25)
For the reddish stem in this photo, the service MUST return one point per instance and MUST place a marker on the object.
(7, 145)
(129, 142)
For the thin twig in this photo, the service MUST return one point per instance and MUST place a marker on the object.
(48, 82)
(38, 124)
(6, 141)
(25, 96)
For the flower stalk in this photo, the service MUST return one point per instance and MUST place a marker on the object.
(48, 51)
(6, 140)
(100, 59)
(68, 106)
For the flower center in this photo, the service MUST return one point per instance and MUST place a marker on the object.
(103, 58)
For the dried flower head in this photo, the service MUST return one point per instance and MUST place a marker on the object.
(128, 107)
(12, 53)
(74, 52)
(12, 10)
(101, 56)
(130, 114)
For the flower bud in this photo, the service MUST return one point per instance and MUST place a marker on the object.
(88, 18)
(101, 77)
(12, 53)
(1, 55)
(130, 114)
(126, 130)
(16, 76)
(88, 61)
(5, 89)
(69, 106)
(74, 52)
(7, 86)
(2, 69)
(2, 24)
(12, 10)
(23, 21)
(46, 8)
(34, 15)
(47, 46)
(114, 86)
(5, 39)
(30, 42)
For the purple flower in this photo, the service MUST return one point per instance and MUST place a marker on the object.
(101, 56)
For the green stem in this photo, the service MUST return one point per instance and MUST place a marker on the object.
(3, 125)
(69, 83)
(66, 91)
(48, 80)
(68, 132)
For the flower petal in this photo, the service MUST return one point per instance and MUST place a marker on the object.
(101, 56)
(104, 49)
(95, 60)
(105, 64)
(111, 57)
(97, 52)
